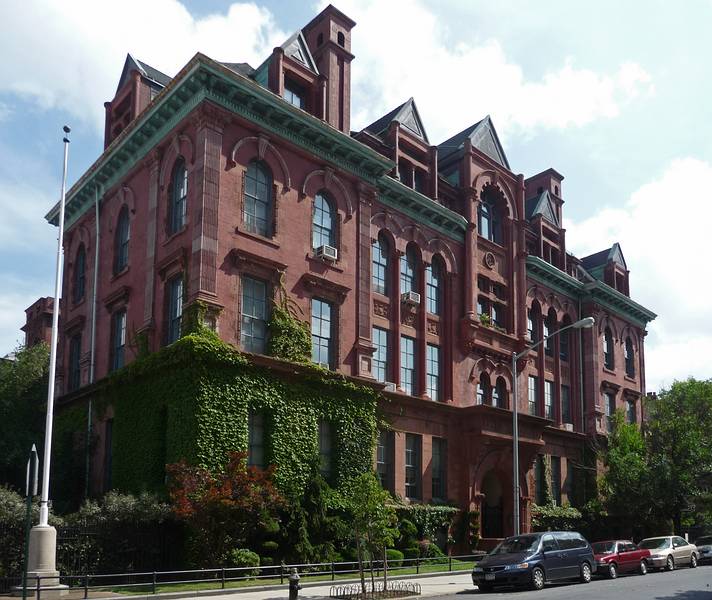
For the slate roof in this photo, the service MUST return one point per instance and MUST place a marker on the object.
(483, 136)
(240, 68)
(600, 259)
(543, 205)
(407, 115)
(147, 71)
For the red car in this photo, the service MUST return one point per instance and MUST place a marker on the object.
(620, 556)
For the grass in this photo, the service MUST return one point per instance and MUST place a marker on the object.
(457, 565)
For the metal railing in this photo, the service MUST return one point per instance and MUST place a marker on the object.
(222, 578)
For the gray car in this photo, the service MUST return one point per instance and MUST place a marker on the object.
(704, 547)
(670, 551)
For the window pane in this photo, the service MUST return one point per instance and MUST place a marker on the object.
(321, 326)
(439, 469)
(75, 354)
(253, 322)
(179, 197)
(533, 391)
(175, 308)
(119, 340)
(566, 404)
(407, 357)
(412, 466)
(433, 276)
(408, 282)
(322, 223)
(433, 371)
(380, 356)
(258, 200)
(384, 459)
(549, 399)
(380, 266)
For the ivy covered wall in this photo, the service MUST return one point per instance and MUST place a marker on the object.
(191, 400)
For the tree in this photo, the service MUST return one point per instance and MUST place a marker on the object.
(23, 393)
(373, 521)
(227, 510)
(679, 440)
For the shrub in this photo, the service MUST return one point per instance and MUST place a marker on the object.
(433, 553)
(394, 558)
(408, 534)
(550, 517)
(241, 557)
(411, 553)
(270, 548)
(266, 561)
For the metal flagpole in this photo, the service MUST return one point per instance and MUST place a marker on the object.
(44, 498)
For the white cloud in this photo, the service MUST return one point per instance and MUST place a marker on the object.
(68, 55)
(664, 233)
(403, 49)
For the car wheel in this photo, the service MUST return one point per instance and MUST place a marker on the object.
(670, 564)
(693, 561)
(537, 579)
(643, 569)
(612, 570)
(484, 588)
(586, 573)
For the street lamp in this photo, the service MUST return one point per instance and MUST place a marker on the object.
(585, 323)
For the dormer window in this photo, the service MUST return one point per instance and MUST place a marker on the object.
(294, 94)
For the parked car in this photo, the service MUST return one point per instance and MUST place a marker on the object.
(620, 556)
(704, 547)
(670, 551)
(532, 559)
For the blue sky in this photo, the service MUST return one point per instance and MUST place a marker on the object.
(613, 95)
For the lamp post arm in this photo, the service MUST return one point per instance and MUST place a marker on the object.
(542, 341)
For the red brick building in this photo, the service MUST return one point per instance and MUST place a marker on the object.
(422, 266)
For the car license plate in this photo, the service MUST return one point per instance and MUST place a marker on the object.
(489, 576)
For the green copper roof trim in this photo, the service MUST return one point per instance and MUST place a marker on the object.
(604, 294)
(548, 274)
(203, 79)
(421, 208)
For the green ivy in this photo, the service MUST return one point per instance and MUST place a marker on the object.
(428, 518)
(555, 518)
(290, 338)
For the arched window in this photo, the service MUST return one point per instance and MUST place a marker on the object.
(380, 253)
(608, 360)
(323, 221)
(629, 358)
(433, 286)
(340, 39)
(489, 220)
(179, 197)
(499, 393)
(408, 271)
(484, 390)
(257, 210)
(121, 248)
(549, 328)
(565, 341)
(533, 318)
(79, 283)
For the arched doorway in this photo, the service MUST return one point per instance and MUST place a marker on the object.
(492, 507)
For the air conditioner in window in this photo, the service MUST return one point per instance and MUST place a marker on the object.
(390, 386)
(569, 426)
(411, 298)
(327, 252)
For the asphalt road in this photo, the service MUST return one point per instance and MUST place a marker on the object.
(683, 584)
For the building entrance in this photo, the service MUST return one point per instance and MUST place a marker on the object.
(492, 517)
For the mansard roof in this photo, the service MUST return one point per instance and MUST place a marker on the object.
(147, 71)
(242, 68)
(543, 205)
(407, 115)
(600, 259)
(483, 136)
(296, 47)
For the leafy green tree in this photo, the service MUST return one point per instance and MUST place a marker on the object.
(23, 393)
(679, 439)
(373, 521)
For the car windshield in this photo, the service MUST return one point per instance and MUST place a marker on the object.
(603, 547)
(655, 544)
(515, 545)
(704, 541)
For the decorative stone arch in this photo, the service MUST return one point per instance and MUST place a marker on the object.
(124, 197)
(534, 293)
(179, 145)
(414, 234)
(263, 145)
(437, 246)
(607, 322)
(492, 178)
(493, 461)
(386, 221)
(629, 332)
(333, 184)
(554, 303)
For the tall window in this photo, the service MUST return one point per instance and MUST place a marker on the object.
(566, 404)
(533, 395)
(412, 466)
(564, 345)
(175, 308)
(630, 411)
(408, 266)
(253, 320)
(323, 220)
(325, 448)
(439, 469)
(179, 197)
(293, 94)
(380, 356)
(118, 339)
(321, 327)
(484, 389)
(407, 366)
(609, 401)
(79, 283)
(608, 349)
(549, 399)
(499, 394)
(432, 364)
(489, 221)
(533, 315)
(380, 252)
(75, 355)
(258, 200)
(548, 330)
(121, 246)
(256, 443)
(433, 287)
(384, 459)
(556, 479)
(539, 480)
(629, 358)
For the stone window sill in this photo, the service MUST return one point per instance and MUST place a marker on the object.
(257, 237)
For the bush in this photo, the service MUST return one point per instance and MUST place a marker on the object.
(241, 557)
(550, 517)
(408, 534)
(270, 548)
(394, 558)
(411, 553)
(433, 553)
(266, 561)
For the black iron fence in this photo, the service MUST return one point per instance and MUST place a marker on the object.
(152, 582)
